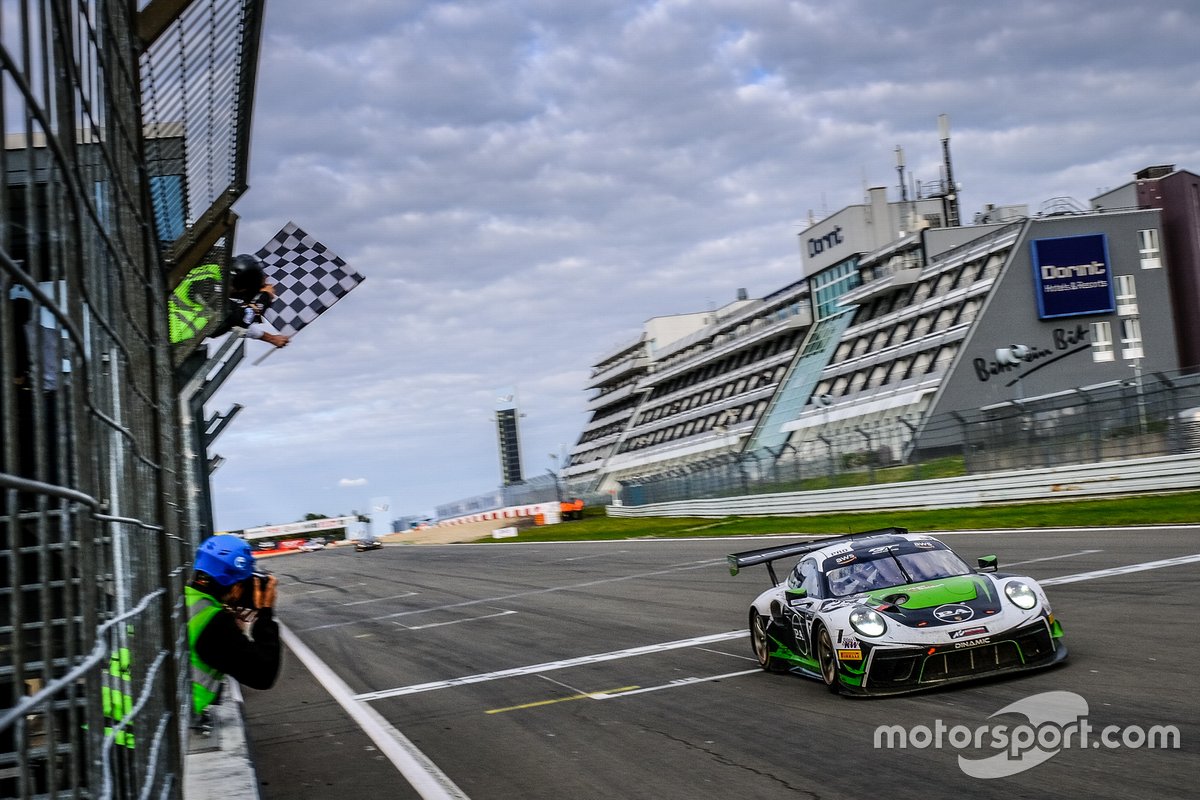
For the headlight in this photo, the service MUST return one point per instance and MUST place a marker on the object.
(1021, 595)
(867, 622)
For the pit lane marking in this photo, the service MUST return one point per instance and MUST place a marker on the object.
(550, 666)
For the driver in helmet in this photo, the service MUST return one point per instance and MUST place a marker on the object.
(224, 595)
(250, 296)
(857, 578)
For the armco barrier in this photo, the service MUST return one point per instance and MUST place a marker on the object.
(1161, 473)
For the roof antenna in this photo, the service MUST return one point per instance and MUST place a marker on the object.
(950, 195)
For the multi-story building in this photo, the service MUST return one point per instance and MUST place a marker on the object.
(898, 318)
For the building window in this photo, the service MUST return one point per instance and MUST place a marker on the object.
(1102, 343)
(919, 327)
(1131, 338)
(1126, 296)
(1148, 249)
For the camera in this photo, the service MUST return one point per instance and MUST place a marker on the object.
(257, 580)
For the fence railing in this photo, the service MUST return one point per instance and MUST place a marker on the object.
(95, 692)
(1152, 415)
(1151, 474)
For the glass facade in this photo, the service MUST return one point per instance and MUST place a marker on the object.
(793, 395)
(830, 284)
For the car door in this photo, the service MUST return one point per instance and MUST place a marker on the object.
(803, 597)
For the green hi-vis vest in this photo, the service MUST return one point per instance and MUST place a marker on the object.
(189, 315)
(116, 698)
(205, 680)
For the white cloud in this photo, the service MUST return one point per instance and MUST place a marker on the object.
(352, 482)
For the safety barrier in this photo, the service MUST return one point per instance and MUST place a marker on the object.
(1157, 474)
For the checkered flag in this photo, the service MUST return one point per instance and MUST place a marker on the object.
(308, 278)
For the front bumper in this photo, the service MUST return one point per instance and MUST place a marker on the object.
(894, 670)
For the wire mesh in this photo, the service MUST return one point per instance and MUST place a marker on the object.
(1149, 415)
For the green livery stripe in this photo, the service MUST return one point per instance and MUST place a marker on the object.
(927, 594)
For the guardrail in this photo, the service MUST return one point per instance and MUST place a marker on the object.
(1160, 473)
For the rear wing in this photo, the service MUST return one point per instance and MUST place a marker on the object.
(769, 555)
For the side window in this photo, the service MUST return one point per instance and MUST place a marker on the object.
(810, 578)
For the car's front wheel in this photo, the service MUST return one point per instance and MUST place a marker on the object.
(761, 644)
(827, 659)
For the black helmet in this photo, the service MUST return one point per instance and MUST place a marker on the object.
(246, 276)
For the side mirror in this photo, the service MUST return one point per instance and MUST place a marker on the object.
(796, 593)
(988, 564)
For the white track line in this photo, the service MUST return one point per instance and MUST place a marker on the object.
(453, 621)
(550, 666)
(673, 684)
(1111, 571)
(421, 773)
(571, 587)
(1052, 558)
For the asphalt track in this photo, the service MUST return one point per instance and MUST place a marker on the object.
(623, 670)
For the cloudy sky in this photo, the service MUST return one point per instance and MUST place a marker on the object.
(524, 182)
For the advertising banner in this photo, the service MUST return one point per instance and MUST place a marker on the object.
(1072, 276)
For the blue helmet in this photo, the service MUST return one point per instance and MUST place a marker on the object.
(226, 558)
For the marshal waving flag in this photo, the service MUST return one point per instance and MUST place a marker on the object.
(308, 278)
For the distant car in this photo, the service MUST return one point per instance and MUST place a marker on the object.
(362, 545)
(886, 612)
(313, 544)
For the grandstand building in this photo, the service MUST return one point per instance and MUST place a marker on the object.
(898, 317)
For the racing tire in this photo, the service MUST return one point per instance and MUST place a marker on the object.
(761, 645)
(827, 659)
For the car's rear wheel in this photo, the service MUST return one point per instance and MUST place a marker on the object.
(827, 659)
(760, 643)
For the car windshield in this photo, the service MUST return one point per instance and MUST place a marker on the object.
(893, 568)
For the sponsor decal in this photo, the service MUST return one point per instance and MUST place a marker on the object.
(1071, 276)
(973, 643)
(925, 545)
(885, 549)
(954, 612)
(819, 244)
(846, 559)
(849, 655)
(965, 632)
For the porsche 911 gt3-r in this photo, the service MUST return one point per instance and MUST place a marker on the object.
(888, 611)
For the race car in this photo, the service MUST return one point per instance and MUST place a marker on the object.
(888, 611)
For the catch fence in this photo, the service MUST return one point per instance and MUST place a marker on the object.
(101, 203)
(1149, 415)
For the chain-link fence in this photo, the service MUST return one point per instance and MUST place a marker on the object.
(94, 492)
(1149, 415)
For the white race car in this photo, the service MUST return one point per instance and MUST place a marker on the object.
(888, 611)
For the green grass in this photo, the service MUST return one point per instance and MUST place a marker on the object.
(1153, 509)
